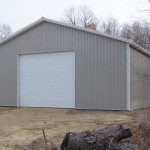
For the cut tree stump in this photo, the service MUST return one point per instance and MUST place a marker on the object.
(108, 138)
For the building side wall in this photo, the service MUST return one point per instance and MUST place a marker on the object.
(140, 79)
(100, 65)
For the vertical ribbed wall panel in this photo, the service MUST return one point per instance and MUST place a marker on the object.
(140, 79)
(100, 68)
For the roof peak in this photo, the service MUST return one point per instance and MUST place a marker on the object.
(43, 19)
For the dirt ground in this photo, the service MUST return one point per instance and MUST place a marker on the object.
(21, 128)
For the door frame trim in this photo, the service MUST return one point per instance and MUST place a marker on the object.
(30, 53)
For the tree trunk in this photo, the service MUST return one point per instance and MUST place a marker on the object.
(105, 139)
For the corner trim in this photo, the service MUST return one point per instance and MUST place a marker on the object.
(128, 77)
(18, 81)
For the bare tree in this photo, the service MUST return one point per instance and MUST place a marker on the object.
(87, 18)
(143, 10)
(110, 26)
(125, 31)
(5, 31)
(145, 6)
(139, 32)
(82, 16)
(71, 16)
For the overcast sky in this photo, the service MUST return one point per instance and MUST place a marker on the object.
(19, 13)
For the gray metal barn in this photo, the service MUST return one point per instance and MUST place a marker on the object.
(53, 64)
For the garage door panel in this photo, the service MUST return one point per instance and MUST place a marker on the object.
(47, 80)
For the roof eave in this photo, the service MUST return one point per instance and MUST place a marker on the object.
(63, 24)
(88, 30)
(30, 26)
(41, 20)
(141, 49)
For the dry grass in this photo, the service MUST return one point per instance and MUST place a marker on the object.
(141, 128)
(141, 136)
(21, 128)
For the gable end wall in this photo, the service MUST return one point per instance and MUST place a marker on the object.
(100, 65)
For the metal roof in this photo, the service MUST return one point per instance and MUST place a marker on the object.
(41, 20)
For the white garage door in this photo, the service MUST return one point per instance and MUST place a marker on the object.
(47, 80)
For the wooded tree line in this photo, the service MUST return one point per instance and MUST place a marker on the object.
(138, 31)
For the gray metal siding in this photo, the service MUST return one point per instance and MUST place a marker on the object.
(101, 78)
(140, 79)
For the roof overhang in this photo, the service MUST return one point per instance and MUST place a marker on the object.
(32, 25)
(141, 49)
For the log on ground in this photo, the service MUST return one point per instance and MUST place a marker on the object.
(108, 138)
